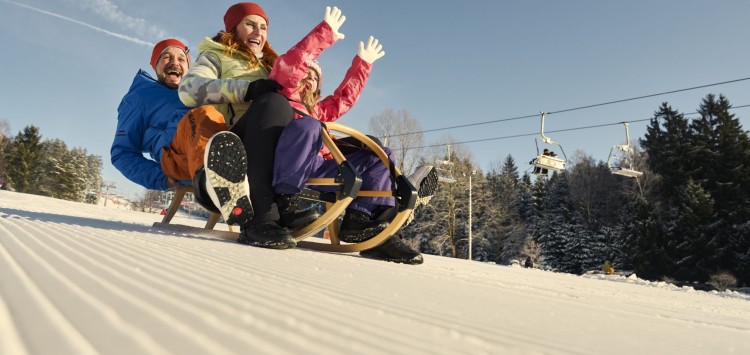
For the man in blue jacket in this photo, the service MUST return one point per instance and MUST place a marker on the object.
(148, 116)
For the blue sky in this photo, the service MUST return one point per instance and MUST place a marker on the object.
(67, 63)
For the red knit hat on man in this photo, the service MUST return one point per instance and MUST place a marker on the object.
(160, 47)
(238, 11)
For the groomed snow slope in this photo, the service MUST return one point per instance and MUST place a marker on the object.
(84, 279)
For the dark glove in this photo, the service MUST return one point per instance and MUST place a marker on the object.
(260, 87)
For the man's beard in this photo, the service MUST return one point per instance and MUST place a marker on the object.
(163, 78)
(170, 85)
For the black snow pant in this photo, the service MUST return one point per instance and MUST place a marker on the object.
(260, 128)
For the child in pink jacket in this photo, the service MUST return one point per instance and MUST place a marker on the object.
(298, 155)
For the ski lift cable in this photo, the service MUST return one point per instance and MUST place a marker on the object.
(574, 108)
(553, 131)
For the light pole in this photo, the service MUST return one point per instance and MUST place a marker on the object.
(473, 172)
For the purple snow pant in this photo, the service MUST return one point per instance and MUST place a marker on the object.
(297, 159)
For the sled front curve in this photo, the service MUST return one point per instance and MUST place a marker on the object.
(405, 200)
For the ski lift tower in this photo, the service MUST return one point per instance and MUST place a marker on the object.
(106, 185)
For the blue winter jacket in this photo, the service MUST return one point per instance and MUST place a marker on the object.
(146, 121)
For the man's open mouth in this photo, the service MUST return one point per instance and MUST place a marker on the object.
(173, 72)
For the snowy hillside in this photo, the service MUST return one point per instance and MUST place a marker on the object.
(84, 279)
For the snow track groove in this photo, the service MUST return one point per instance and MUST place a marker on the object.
(84, 279)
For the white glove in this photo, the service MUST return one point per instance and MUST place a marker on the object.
(372, 51)
(334, 19)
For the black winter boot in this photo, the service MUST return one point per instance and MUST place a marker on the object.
(393, 250)
(292, 217)
(225, 164)
(358, 227)
(266, 235)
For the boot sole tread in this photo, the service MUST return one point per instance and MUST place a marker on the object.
(225, 163)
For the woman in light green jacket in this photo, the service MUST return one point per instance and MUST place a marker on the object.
(231, 74)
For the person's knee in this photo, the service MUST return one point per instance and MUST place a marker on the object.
(309, 123)
(267, 111)
(305, 129)
(273, 100)
(305, 124)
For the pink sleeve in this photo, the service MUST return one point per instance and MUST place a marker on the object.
(342, 100)
(290, 68)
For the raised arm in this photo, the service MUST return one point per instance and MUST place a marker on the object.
(290, 68)
(348, 92)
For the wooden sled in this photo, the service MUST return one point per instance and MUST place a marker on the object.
(348, 183)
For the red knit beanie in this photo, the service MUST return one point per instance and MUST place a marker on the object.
(163, 45)
(238, 11)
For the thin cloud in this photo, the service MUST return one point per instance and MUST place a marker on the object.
(99, 29)
(110, 12)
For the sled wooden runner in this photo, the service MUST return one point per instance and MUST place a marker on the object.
(179, 194)
(336, 202)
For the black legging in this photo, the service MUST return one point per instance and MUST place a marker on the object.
(260, 128)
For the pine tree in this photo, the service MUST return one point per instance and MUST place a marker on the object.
(647, 241)
(525, 200)
(93, 172)
(5, 141)
(511, 230)
(614, 246)
(508, 181)
(739, 243)
(79, 165)
(669, 150)
(723, 154)
(695, 246)
(24, 169)
(58, 182)
(596, 193)
(554, 229)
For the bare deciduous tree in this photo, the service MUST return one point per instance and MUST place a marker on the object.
(401, 132)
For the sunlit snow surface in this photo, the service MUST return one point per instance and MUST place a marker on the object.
(80, 279)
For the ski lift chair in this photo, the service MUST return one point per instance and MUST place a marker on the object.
(620, 161)
(445, 168)
(348, 187)
(445, 175)
(544, 162)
